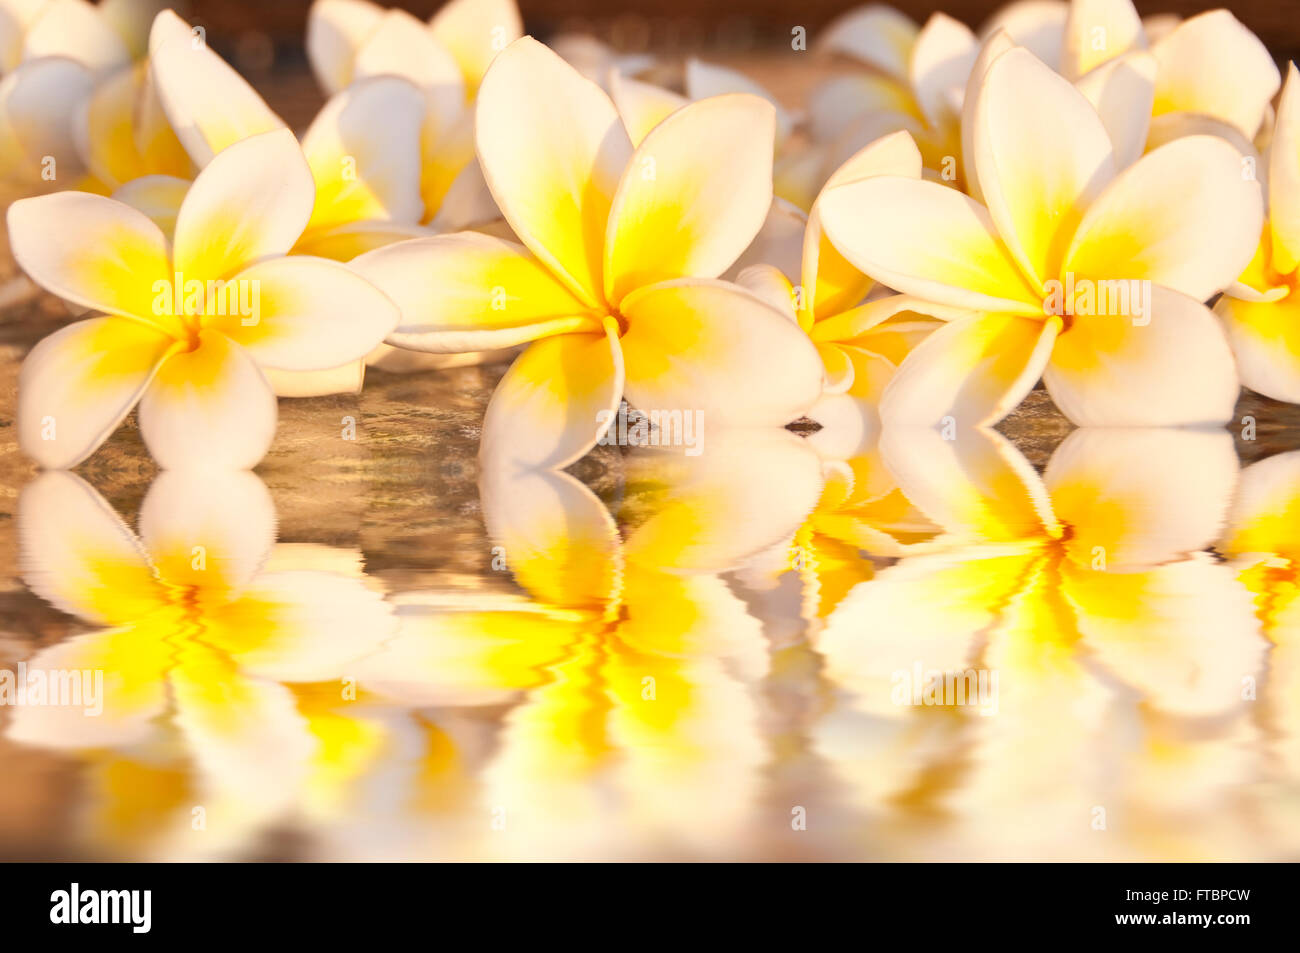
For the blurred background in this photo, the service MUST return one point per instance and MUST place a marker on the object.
(686, 26)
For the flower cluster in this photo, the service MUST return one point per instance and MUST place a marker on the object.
(1060, 197)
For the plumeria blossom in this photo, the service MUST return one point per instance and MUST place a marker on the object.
(186, 325)
(613, 309)
(53, 55)
(364, 150)
(1206, 75)
(349, 40)
(631, 664)
(1060, 231)
(1261, 310)
(203, 630)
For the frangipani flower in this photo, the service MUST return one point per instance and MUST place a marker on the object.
(187, 325)
(631, 664)
(363, 149)
(613, 307)
(53, 54)
(202, 633)
(1261, 311)
(916, 83)
(1207, 68)
(1049, 263)
(349, 40)
(1206, 75)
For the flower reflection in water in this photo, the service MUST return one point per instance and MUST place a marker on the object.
(209, 639)
(654, 676)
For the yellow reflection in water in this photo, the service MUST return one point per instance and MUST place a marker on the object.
(905, 647)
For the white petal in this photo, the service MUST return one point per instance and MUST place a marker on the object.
(77, 554)
(336, 29)
(252, 201)
(1037, 25)
(877, 35)
(1143, 496)
(1098, 31)
(642, 105)
(208, 104)
(928, 240)
(555, 401)
(468, 291)
(704, 176)
(1041, 156)
(364, 152)
(73, 28)
(713, 347)
(78, 384)
(970, 372)
(941, 62)
(1183, 216)
(707, 79)
(552, 148)
(208, 408)
(92, 251)
(1212, 64)
(1122, 91)
(1123, 370)
(309, 314)
(38, 109)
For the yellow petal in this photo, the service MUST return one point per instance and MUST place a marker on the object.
(208, 104)
(552, 149)
(1098, 31)
(928, 240)
(474, 31)
(876, 34)
(1212, 64)
(252, 201)
(1265, 338)
(703, 176)
(364, 152)
(209, 406)
(116, 264)
(700, 345)
(469, 291)
(1041, 156)
(336, 30)
(307, 314)
(642, 105)
(1168, 367)
(970, 372)
(1182, 216)
(556, 400)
